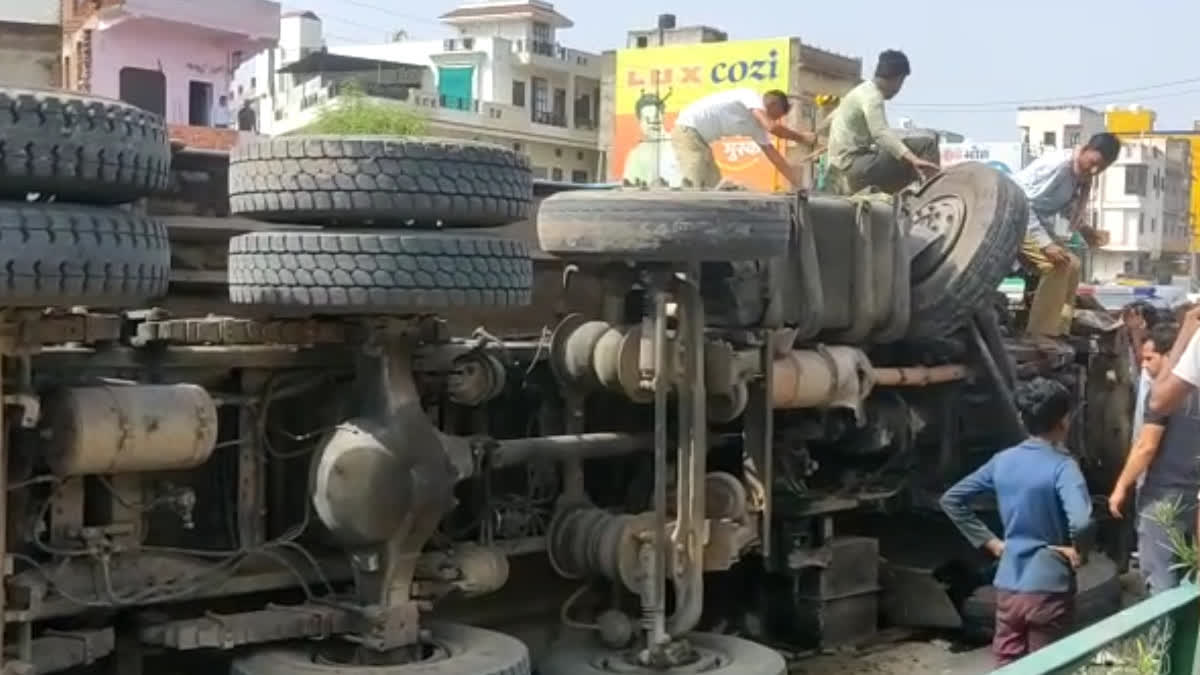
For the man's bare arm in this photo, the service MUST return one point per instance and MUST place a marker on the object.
(782, 164)
(783, 131)
(1140, 457)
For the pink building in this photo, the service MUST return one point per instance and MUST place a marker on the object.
(173, 57)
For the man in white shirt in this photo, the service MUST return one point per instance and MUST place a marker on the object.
(221, 116)
(733, 113)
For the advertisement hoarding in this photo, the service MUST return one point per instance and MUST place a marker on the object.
(653, 85)
(1005, 157)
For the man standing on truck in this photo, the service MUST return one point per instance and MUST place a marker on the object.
(1164, 457)
(863, 151)
(725, 114)
(1045, 509)
(1058, 183)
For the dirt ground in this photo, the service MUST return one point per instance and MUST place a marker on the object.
(903, 658)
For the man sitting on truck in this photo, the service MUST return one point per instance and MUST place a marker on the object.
(1058, 183)
(1045, 509)
(863, 151)
(1164, 457)
(726, 114)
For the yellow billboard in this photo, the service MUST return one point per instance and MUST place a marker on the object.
(654, 84)
(1132, 124)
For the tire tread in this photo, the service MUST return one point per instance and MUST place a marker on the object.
(379, 181)
(80, 148)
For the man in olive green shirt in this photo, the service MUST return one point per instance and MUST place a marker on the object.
(863, 151)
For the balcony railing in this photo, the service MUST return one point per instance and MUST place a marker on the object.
(549, 118)
(501, 115)
(458, 103)
(551, 50)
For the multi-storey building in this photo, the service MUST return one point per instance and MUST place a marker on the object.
(1136, 123)
(1057, 126)
(172, 57)
(30, 42)
(1142, 202)
(503, 78)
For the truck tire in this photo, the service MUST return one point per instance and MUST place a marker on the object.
(952, 280)
(379, 181)
(79, 148)
(64, 255)
(1098, 596)
(722, 654)
(665, 225)
(378, 272)
(464, 650)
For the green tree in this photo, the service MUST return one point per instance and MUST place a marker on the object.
(352, 112)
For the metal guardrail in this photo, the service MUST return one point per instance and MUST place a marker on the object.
(1157, 635)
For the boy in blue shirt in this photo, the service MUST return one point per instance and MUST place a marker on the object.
(1045, 508)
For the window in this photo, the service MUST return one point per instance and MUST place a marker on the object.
(1141, 223)
(1135, 179)
(539, 172)
(516, 147)
(147, 89)
(542, 33)
(468, 43)
(253, 83)
(1049, 139)
(579, 155)
(1073, 137)
(642, 42)
(1153, 225)
(541, 97)
(558, 152)
(556, 174)
(1095, 219)
(578, 176)
(560, 107)
(518, 98)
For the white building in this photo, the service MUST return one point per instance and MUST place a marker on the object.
(1063, 126)
(503, 79)
(1142, 202)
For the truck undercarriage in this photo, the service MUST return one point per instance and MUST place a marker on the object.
(644, 431)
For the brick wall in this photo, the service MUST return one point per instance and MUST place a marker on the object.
(205, 138)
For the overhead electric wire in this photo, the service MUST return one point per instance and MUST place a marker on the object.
(1005, 105)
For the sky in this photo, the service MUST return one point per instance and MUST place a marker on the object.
(973, 62)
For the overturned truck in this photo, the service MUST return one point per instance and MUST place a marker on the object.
(434, 423)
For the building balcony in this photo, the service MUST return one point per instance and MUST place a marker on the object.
(482, 117)
(553, 56)
(255, 21)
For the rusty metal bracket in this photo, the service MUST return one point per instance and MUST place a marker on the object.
(26, 332)
(222, 330)
(227, 631)
(55, 650)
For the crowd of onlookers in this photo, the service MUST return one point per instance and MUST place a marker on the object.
(1045, 504)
